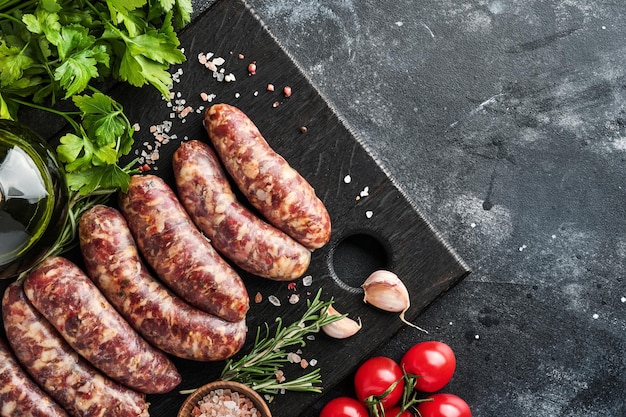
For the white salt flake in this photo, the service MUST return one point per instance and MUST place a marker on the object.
(521, 248)
(369, 214)
(399, 23)
(294, 299)
(347, 179)
(365, 192)
(477, 337)
(274, 300)
(623, 299)
(595, 316)
(307, 281)
(293, 357)
(473, 225)
(313, 362)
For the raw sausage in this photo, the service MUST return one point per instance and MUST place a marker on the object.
(178, 252)
(19, 395)
(277, 190)
(71, 302)
(252, 244)
(166, 321)
(76, 385)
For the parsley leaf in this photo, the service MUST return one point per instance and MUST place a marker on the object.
(101, 119)
(79, 68)
(109, 177)
(13, 63)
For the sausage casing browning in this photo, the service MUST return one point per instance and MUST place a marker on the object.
(76, 385)
(178, 252)
(252, 244)
(19, 395)
(166, 321)
(277, 190)
(71, 302)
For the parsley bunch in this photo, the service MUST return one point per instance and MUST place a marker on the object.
(53, 56)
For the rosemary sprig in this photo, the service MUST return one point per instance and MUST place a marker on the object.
(257, 368)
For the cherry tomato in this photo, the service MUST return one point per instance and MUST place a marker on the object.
(444, 405)
(395, 412)
(433, 362)
(375, 376)
(344, 407)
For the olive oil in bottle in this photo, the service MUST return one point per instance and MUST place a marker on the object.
(33, 198)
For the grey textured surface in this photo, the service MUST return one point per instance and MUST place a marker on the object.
(505, 121)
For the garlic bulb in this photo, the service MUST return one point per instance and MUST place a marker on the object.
(383, 289)
(341, 328)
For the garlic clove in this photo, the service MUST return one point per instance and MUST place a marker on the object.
(342, 328)
(384, 290)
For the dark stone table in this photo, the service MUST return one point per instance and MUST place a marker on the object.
(505, 121)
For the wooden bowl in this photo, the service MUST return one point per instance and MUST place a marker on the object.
(197, 395)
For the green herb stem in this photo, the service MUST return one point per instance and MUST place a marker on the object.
(65, 114)
(257, 368)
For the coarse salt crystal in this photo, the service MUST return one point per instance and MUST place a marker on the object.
(294, 299)
(274, 300)
(369, 214)
(313, 362)
(307, 280)
(347, 179)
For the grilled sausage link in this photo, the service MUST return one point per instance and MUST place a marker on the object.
(68, 378)
(113, 263)
(271, 185)
(19, 395)
(71, 302)
(239, 235)
(178, 252)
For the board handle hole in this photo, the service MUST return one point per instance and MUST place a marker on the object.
(355, 258)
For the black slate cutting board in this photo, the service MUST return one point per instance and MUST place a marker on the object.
(375, 225)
